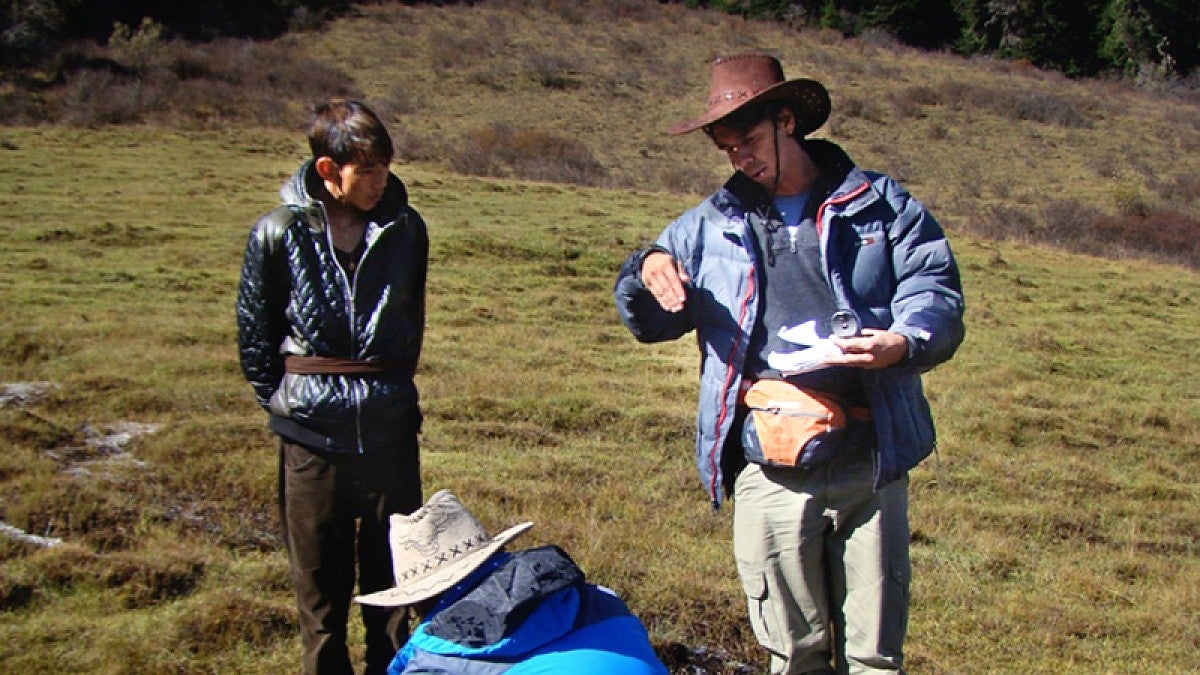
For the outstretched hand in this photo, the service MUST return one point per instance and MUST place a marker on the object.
(664, 277)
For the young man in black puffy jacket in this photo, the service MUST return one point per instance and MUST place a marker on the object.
(331, 315)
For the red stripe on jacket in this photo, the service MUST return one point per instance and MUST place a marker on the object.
(729, 373)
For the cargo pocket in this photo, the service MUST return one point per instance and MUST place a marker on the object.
(894, 620)
(762, 612)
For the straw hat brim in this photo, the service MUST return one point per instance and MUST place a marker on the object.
(811, 112)
(443, 578)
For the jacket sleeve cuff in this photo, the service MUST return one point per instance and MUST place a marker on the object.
(917, 341)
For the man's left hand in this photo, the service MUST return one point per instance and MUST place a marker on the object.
(873, 350)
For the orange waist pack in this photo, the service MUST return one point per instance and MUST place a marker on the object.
(790, 426)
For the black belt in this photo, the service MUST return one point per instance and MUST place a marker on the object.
(289, 429)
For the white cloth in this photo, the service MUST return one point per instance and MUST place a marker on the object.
(810, 357)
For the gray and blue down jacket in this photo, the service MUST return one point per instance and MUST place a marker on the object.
(294, 298)
(884, 256)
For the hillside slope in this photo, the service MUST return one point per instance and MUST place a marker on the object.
(964, 135)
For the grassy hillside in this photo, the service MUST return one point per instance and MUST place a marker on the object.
(579, 92)
(968, 137)
(1056, 531)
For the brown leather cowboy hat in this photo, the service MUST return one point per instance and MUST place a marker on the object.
(742, 79)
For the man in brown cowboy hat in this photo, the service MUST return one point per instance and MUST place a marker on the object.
(819, 293)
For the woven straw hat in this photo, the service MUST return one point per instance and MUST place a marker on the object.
(742, 79)
(434, 548)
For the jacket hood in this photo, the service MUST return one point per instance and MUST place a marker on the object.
(302, 188)
(528, 600)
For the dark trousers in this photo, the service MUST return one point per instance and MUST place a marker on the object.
(335, 512)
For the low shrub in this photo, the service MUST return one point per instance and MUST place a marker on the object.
(1067, 220)
(1045, 107)
(450, 51)
(58, 567)
(911, 101)
(552, 71)
(625, 9)
(414, 147)
(921, 94)
(1003, 223)
(30, 430)
(500, 150)
(1155, 233)
(687, 179)
(862, 109)
(141, 78)
(95, 98)
(1162, 234)
(1179, 188)
(97, 516)
(146, 579)
(1129, 201)
(396, 103)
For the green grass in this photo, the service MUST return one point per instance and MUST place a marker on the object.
(1055, 532)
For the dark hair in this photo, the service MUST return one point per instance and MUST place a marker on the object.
(347, 131)
(745, 119)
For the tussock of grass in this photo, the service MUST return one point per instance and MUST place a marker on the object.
(234, 618)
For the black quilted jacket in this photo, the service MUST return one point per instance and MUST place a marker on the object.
(294, 298)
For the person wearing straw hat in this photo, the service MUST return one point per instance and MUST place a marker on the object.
(819, 294)
(485, 610)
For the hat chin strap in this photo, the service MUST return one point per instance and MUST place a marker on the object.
(775, 143)
(771, 201)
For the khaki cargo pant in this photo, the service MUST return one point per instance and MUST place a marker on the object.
(823, 560)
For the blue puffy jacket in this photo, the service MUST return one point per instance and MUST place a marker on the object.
(884, 256)
(528, 613)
